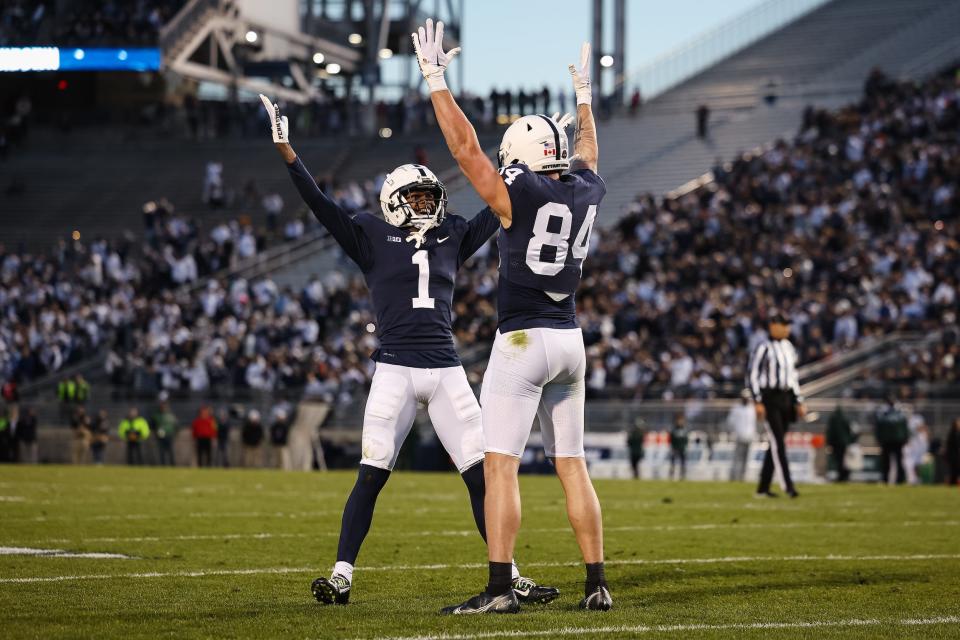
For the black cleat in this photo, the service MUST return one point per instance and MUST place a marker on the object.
(336, 590)
(765, 494)
(793, 493)
(485, 603)
(598, 600)
(529, 592)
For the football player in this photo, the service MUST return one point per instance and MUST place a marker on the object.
(409, 259)
(546, 202)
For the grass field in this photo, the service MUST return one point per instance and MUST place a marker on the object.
(232, 553)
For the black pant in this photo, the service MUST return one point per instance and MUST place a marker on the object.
(134, 454)
(838, 453)
(680, 457)
(779, 405)
(892, 451)
(635, 465)
(165, 449)
(204, 452)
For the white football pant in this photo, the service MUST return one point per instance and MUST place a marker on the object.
(535, 372)
(392, 406)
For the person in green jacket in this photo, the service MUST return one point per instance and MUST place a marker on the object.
(133, 430)
(635, 445)
(678, 445)
(165, 428)
(892, 433)
(840, 436)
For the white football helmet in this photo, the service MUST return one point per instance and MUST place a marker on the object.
(536, 141)
(399, 183)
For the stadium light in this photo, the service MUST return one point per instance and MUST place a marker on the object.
(386, 53)
(355, 38)
(318, 58)
(606, 61)
(79, 54)
(386, 132)
(333, 68)
(252, 36)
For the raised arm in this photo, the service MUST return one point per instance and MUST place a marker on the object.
(585, 150)
(348, 234)
(459, 134)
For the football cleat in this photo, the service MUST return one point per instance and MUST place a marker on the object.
(529, 592)
(336, 590)
(765, 494)
(598, 600)
(485, 603)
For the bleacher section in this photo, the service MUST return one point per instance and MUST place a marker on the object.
(822, 59)
(98, 186)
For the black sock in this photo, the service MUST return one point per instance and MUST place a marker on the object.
(358, 512)
(595, 577)
(501, 577)
(473, 478)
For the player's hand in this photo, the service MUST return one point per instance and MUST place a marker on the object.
(428, 43)
(761, 411)
(562, 123)
(581, 76)
(278, 124)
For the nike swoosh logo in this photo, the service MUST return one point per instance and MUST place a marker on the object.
(442, 240)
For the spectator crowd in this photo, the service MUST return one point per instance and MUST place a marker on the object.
(852, 228)
(84, 22)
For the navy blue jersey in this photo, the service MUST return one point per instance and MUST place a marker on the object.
(412, 288)
(542, 252)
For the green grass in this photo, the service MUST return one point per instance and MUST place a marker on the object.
(179, 521)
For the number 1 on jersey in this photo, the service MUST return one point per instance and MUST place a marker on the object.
(423, 299)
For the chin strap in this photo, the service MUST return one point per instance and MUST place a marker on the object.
(418, 236)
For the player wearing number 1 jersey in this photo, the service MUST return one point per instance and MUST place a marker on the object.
(538, 363)
(409, 259)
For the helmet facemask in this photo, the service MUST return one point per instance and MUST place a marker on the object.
(422, 205)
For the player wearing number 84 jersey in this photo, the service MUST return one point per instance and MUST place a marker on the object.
(537, 365)
(409, 259)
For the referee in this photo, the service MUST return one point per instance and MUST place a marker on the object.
(774, 385)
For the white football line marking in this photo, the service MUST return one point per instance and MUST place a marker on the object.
(667, 628)
(477, 565)
(473, 532)
(60, 553)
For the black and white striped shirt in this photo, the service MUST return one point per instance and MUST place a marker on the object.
(773, 365)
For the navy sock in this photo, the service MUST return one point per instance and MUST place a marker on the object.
(358, 512)
(501, 577)
(595, 577)
(473, 478)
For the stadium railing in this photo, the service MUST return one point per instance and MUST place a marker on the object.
(672, 68)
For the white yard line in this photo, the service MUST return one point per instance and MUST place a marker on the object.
(472, 532)
(60, 553)
(674, 628)
(12, 499)
(477, 565)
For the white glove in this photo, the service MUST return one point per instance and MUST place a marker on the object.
(562, 123)
(278, 124)
(430, 56)
(581, 76)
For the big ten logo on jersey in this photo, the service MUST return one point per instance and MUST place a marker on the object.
(510, 174)
(394, 239)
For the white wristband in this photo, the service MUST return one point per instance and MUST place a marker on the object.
(584, 96)
(436, 82)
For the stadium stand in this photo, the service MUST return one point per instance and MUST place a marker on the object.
(664, 302)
